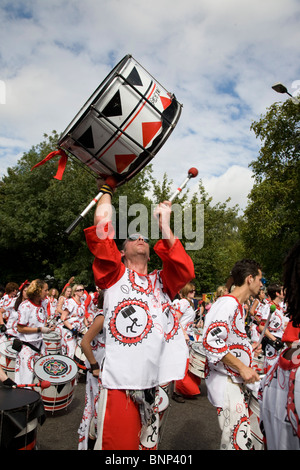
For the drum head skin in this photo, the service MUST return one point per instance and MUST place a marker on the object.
(123, 124)
(56, 369)
(7, 350)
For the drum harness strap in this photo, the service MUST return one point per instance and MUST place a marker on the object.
(18, 344)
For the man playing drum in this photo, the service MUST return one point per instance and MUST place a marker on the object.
(144, 344)
(229, 356)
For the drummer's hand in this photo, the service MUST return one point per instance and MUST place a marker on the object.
(249, 375)
(95, 373)
(46, 329)
(9, 383)
(257, 349)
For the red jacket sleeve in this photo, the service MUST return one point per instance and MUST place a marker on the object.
(291, 333)
(178, 267)
(107, 266)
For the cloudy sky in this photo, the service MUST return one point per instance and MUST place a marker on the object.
(219, 57)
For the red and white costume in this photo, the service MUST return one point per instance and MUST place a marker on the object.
(33, 316)
(88, 425)
(51, 309)
(189, 385)
(254, 330)
(144, 345)
(75, 317)
(279, 397)
(7, 303)
(11, 324)
(224, 332)
(187, 314)
(277, 325)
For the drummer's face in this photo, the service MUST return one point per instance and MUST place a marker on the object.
(44, 292)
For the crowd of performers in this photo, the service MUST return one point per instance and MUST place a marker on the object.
(137, 332)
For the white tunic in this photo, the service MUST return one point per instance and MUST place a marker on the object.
(224, 332)
(279, 398)
(144, 345)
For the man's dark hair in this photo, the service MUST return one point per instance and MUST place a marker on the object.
(244, 268)
(291, 283)
(272, 290)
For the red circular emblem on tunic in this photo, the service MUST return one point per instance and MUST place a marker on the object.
(130, 322)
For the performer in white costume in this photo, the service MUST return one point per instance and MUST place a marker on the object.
(144, 345)
(32, 318)
(73, 320)
(229, 356)
(93, 347)
(280, 389)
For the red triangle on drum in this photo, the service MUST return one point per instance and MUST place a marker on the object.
(150, 129)
(123, 161)
(165, 101)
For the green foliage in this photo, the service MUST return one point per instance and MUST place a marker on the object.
(35, 210)
(273, 213)
(222, 245)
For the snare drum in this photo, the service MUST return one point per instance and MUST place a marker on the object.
(79, 358)
(61, 372)
(197, 360)
(52, 342)
(21, 411)
(123, 124)
(8, 358)
(258, 364)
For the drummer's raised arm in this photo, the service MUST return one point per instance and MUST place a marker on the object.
(103, 212)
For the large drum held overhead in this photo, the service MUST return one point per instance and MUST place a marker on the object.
(123, 124)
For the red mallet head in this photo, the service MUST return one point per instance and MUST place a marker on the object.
(44, 384)
(193, 172)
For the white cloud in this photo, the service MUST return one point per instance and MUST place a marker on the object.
(235, 184)
(219, 57)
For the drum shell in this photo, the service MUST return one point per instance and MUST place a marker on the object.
(258, 364)
(52, 342)
(60, 393)
(123, 124)
(21, 411)
(80, 358)
(8, 358)
(58, 397)
(197, 360)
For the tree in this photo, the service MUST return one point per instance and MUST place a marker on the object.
(272, 217)
(222, 245)
(35, 209)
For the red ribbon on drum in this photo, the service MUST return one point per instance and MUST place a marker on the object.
(61, 164)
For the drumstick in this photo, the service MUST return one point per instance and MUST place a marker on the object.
(112, 183)
(192, 173)
(272, 310)
(43, 384)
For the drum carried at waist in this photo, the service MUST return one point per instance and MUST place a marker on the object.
(61, 372)
(258, 364)
(197, 360)
(8, 358)
(52, 342)
(21, 411)
(123, 124)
